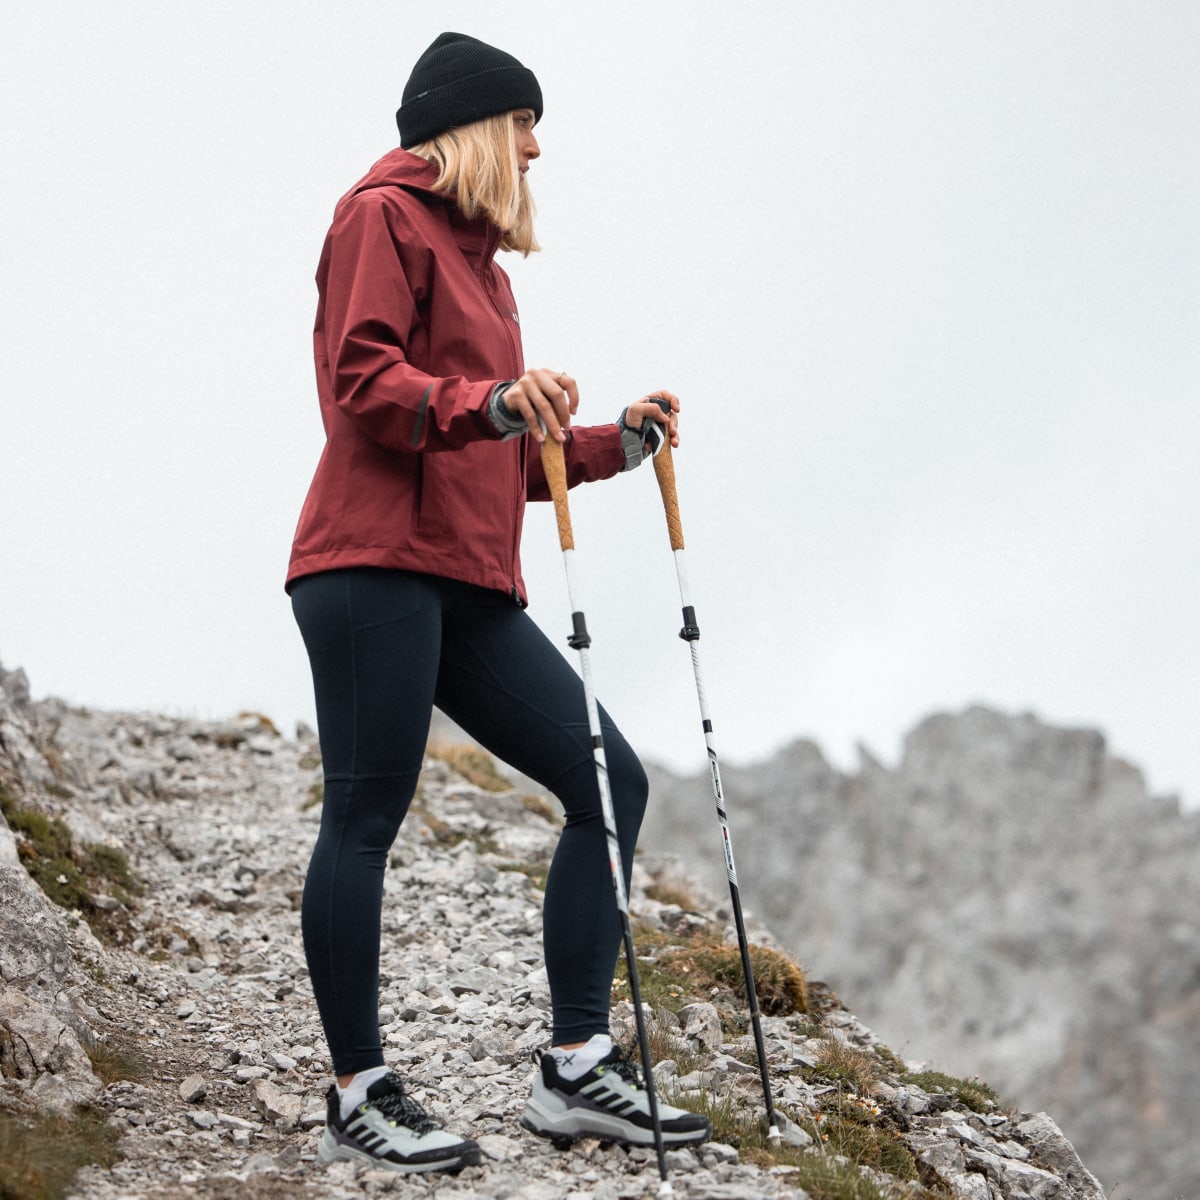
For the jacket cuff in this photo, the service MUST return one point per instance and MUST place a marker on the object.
(502, 420)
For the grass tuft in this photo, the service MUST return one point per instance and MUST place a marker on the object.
(263, 723)
(699, 965)
(541, 806)
(113, 1061)
(849, 1066)
(669, 891)
(42, 1155)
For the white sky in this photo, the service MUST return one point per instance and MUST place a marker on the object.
(926, 276)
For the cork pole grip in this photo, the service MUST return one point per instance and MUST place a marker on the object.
(664, 470)
(555, 467)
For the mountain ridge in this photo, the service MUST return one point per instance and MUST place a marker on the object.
(1007, 895)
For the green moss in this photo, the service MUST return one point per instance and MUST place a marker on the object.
(971, 1093)
(866, 1134)
(820, 1172)
(889, 1058)
(827, 1178)
(73, 877)
(111, 863)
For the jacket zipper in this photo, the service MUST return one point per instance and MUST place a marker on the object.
(508, 319)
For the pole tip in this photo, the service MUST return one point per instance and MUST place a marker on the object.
(664, 1188)
(773, 1134)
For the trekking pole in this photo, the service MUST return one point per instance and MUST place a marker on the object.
(664, 470)
(554, 466)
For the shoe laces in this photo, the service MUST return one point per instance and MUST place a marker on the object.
(401, 1109)
(622, 1064)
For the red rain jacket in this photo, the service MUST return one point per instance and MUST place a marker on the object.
(416, 323)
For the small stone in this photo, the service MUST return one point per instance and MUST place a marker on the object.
(280, 1108)
(499, 1147)
(719, 1152)
(229, 1121)
(193, 1089)
(702, 1024)
(683, 1160)
(261, 1163)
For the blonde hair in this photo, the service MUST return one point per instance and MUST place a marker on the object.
(477, 165)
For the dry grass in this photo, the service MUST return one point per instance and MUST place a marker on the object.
(678, 969)
(473, 764)
(39, 1157)
(842, 1063)
(674, 891)
(114, 1060)
(541, 806)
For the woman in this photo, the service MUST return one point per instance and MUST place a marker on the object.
(406, 583)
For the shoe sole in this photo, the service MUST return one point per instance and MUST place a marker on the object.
(340, 1152)
(564, 1129)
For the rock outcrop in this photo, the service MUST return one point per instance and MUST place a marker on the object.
(1007, 900)
(190, 840)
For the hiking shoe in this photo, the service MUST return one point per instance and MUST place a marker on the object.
(391, 1130)
(608, 1102)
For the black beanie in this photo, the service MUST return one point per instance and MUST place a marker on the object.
(459, 80)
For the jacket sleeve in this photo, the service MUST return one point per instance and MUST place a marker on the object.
(367, 315)
(591, 452)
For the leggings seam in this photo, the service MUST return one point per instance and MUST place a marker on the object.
(344, 823)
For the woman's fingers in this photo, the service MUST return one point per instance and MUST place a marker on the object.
(544, 399)
(650, 408)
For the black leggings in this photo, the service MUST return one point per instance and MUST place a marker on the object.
(385, 646)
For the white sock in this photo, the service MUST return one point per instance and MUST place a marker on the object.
(355, 1092)
(574, 1063)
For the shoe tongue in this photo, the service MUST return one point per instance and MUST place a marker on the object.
(385, 1085)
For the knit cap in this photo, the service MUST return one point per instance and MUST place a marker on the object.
(460, 79)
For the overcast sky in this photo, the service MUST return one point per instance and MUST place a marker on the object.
(925, 275)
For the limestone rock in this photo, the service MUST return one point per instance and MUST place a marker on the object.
(42, 1054)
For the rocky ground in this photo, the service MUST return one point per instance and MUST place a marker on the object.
(201, 979)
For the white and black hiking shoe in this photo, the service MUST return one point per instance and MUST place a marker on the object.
(608, 1102)
(391, 1130)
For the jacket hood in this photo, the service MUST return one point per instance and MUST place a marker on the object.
(399, 168)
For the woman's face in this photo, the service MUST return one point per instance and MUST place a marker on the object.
(527, 147)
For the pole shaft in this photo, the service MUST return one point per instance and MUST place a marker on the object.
(664, 469)
(556, 476)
